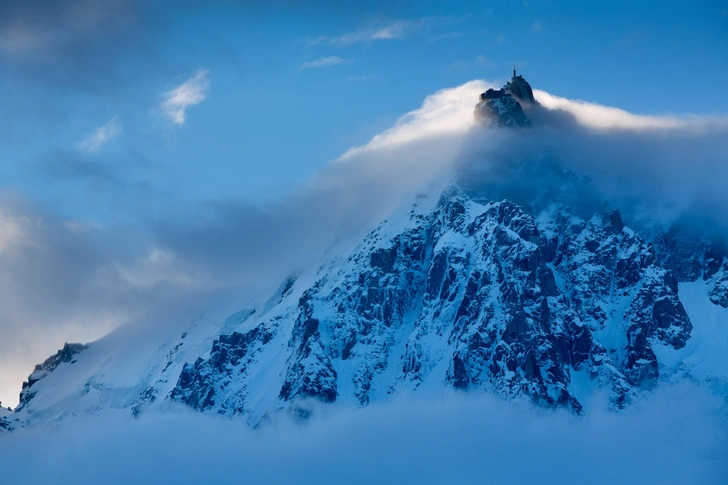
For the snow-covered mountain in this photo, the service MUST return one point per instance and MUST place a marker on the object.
(534, 288)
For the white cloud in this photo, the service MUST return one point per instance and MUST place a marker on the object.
(596, 116)
(190, 93)
(394, 30)
(537, 27)
(323, 62)
(101, 136)
(446, 112)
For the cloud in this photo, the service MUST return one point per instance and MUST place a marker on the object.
(447, 112)
(393, 30)
(658, 170)
(596, 116)
(161, 266)
(69, 280)
(116, 176)
(537, 27)
(676, 436)
(189, 93)
(323, 62)
(73, 43)
(101, 136)
(49, 271)
(41, 27)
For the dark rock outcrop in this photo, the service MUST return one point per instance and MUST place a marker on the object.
(65, 355)
(502, 108)
(520, 89)
(501, 111)
(310, 372)
(692, 254)
(204, 384)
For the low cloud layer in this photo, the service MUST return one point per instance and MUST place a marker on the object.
(676, 436)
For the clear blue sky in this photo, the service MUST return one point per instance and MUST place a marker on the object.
(294, 84)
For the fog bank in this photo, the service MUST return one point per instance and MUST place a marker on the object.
(675, 436)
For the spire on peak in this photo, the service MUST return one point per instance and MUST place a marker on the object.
(514, 70)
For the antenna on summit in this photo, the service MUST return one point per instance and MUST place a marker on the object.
(514, 70)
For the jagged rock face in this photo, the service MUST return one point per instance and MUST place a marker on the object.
(465, 294)
(310, 372)
(66, 354)
(502, 112)
(432, 303)
(719, 286)
(690, 257)
(202, 385)
(612, 278)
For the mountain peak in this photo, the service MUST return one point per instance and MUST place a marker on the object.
(519, 88)
(503, 107)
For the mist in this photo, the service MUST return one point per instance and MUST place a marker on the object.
(677, 435)
(655, 169)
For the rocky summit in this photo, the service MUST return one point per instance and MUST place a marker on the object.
(503, 107)
(544, 294)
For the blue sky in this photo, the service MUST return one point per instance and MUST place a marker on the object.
(152, 149)
(292, 85)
